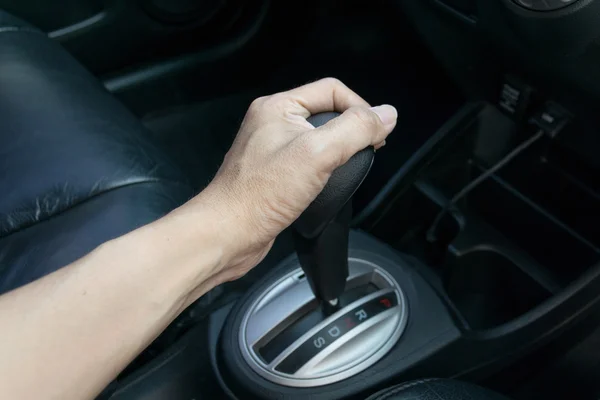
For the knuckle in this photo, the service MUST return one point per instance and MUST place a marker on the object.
(258, 102)
(278, 99)
(257, 105)
(364, 117)
(279, 102)
(269, 104)
(274, 99)
(335, 82)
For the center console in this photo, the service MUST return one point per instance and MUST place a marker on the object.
(344, 310)
(512, 266)
(278, 342)
(480, 254)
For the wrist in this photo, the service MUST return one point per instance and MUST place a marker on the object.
(228, 218)
(233, 224)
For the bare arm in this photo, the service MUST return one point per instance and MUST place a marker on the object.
(71, 332)
(67, 335)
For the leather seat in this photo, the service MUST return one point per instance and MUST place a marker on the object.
(436, 389)
(76, 168)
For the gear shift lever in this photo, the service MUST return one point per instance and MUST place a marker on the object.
(321, 232)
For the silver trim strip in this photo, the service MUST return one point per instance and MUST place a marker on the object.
(285, 299)
(280, 287)
(304, 372)
(299, 342)
(275, 313)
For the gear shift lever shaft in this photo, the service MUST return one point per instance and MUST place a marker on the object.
(321, 232)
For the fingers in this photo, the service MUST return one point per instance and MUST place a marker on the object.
(352, 131)
(327, 94)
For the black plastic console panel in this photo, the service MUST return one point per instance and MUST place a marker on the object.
(429, 329)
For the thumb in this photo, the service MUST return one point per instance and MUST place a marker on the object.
(355, 129)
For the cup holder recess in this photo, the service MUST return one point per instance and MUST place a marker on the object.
(489, 289)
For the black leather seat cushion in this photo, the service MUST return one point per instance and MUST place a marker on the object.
(436, 389)
(76, 167)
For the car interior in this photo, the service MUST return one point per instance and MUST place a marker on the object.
(461, 261)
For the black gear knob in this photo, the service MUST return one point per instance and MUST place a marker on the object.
(321, 232)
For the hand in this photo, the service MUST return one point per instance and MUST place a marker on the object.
(279, 163)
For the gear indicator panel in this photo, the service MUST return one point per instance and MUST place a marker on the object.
(334, 331)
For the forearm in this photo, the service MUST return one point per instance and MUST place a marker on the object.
(74, 330)
(67, 335)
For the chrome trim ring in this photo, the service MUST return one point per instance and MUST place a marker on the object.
(289, 298)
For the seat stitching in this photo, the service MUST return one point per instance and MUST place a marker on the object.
(437, 394)
(403, 387)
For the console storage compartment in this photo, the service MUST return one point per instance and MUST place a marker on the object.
(489, 289)
(520, 236)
